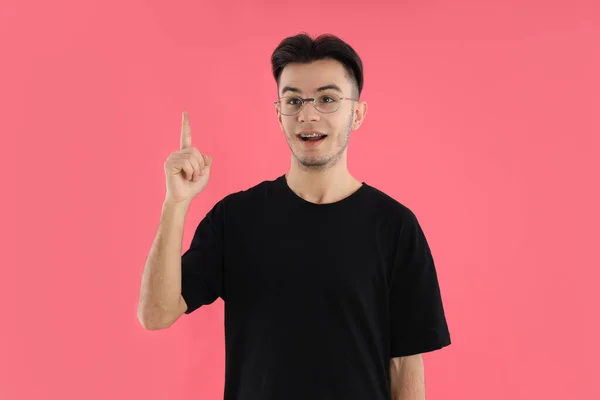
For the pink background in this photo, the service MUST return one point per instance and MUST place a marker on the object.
(483, 119)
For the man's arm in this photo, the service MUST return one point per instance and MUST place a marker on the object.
(161, 303)
(161, 300)
(407, 375)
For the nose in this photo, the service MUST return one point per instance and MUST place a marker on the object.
(308, 112)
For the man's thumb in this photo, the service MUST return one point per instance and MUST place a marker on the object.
(207, 160)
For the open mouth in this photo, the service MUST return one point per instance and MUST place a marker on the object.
(312, 137)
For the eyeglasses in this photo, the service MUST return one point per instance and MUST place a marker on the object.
(325, 103)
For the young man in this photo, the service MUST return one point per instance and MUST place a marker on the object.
(329, 285)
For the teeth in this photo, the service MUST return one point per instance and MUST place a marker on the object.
(309, 135)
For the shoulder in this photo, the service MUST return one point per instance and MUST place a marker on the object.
(248, 199)
(387, 207)
(253, 194)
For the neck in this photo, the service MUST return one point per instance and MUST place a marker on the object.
(321, 186)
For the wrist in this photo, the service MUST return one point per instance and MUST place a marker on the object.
(175, 206)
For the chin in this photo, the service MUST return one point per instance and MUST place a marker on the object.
(315, 162)
(312, 163)
(315, 159)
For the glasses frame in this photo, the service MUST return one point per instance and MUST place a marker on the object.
(308, 100)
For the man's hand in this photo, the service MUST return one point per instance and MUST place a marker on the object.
(187, 170)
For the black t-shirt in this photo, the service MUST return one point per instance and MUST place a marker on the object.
(318, 297)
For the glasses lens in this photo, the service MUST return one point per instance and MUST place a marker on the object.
(290, 105)
(327, 103)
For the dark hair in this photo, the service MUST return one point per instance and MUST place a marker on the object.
(301, 48)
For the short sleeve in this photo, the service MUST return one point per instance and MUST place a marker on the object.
(417, 321)
(202, 263)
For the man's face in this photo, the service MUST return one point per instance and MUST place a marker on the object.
(326, 81)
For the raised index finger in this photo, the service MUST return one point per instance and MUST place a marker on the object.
(185, 141)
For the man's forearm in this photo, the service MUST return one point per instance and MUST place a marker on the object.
(407, 376)
(161, 280)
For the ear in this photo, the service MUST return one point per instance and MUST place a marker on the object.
(360, 112)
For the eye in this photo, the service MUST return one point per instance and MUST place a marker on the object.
(294, 101)
(327, 99)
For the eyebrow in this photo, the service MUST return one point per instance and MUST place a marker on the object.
(320, 89)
